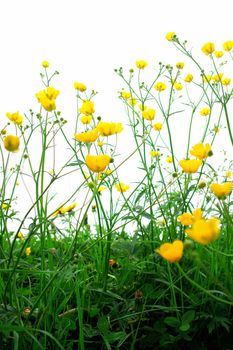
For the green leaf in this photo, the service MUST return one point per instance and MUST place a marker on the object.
(188, 317)
(184, 327)
(172, 321)
(103, 324)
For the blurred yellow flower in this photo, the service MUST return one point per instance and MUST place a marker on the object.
(188, 219)
(86, 119)
(28, 251)
(47, 98)
(149, 114)
(87, 108)
(108, 129)
(228, 45)
(101, 189)
(180, 65)
(45, 64)
(154, 154)
(15, 117)
(205, 111)
(208, 48)
(188, 78)
(132, 101)
(121, 187)
(142, 107)
(80, 86)
(217, 77)
(170, 36)
(221, 190)
(141, 64)
(228, 174)
(11, 143)
(171, 252)
(157, 126)
(5, 206)
(97, 163)
(204, 231)
(125, 95)
(87, 136)
(218, 54)
(159, 86)
(201, 151)
(226, 81)
(20, 236)
(64, 210)
(190, 166)
(169, 159)
(100, 143)
(178, 86)
(207, 78)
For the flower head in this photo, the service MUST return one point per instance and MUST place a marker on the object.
(201, 150)
(208, 48)
(15, 117)
(169, 159)
(11, 143)
(180, 65)
(87, 108)
(228, 45)
(97, 163)
(108, 129)
(88, 136)
(204, 231)
(178, 86)
(141, 64)
(45, 64)
(190, 166)
(170, 36)
(188, 78)
(86, 119)
(218, 54)
(28, 251)
(228, 174)
(47, 98)
(121, 187)
(226, 81)
(80, 86)
(205, 111)
(149, 114)
(154, 154)
(221, 190)
(160, 86)
(125, 95)
(171, 252)
(157, 126)
(64, 210)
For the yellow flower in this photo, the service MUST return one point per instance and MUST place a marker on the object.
(149, 114)
(228, 45)
(207, 78)
(121, 187)
(16, 118)
(47, 98)
(20, 236)
(190, 166)
(226, 81)
(218, 54)
(125, 95)
(169, 159)
(142, 107)
(216, 129)
(221, 190)
(186, 219)
(159, 86)
(132, 101)
(217, 77)
(204, 231)
(87, 108)
(170, 36)
(88, 136)
(205, 111)
(80, 86)
(171, 252)
(86, 119)
(5, 206)
(208, 48)
(101, 189)
(11, 143)
(201, 151)
(228, 173)
(180, 65)
(158, 126)
(45, 64)
(154, 154)
(178, 86)
(28, 251)
(188, 78)
(64, 210)
(108, 129)
(141, 64)
(97, 163)
(100, 143)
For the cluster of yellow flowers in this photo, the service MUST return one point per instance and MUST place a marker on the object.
(64, 210)
(16, 118)
(47, 98)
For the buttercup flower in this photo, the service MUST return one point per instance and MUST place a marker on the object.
(228, 45)
(217, 77)
(159, 86)
(28, 251)
(20, 236)
(132, 101)
(87, 107)
(204, 231)
(228, 174)
(121, 187)
(171, 252)
(205, 111)
(11, 143)
(178, 86)
(86, 119)
(190, 166)
(108, 129)
(97, 163)
(141, 64)
(226, 81)
(125, 95)
(169, 159)
(208, 48)
(16, 118)
(148, 114)
(157, 126)
(201, 151)
(221, 190)
(88, 136)
(64, 210)
(45, 64)
(80, 86)
(206, 78)
(218, 54)
(180, 65)
(170, 36)
(47, 98)
(188, 219)
(188, 78)
(154, 154)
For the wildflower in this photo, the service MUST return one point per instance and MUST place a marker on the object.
(216, 129)
(159, 86)
(5, 206)
(141, 64)
(228, 174)
(100, 143)
(170, 36)
(154, 154)
(45, 64)
(125, 95)
(204, 231)
(178, 86)
(226, 81)
(180, 65)
(201, 151)
(87, 107)
(132, 101)
(11, 143)
(188, 219)
(121, 187)
(228, 45)
(221, 190)
(142, 107)
(108, 129)
(188, 78)
(149, 114)
(47, 98)
(86, 119)
(97, 163)
(157, 126)
(218, 54)
(28, 251)
(208, 48)
(80, 86)
(16, 118)
(190, 166)
(217, 77)
(205, 111)
(171, 252)
(64, 210)
(88, 136)
(169, 159)
(101, 189)
(207, 78)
